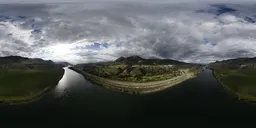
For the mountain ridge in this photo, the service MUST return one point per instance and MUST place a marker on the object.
(131, 60)
(19, 62)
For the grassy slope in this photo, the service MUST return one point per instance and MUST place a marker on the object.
(149, 72)
(241, 82)
(23, 85)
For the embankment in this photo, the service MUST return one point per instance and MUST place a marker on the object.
(31, 97)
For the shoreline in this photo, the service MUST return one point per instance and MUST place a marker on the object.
(27, 99)
(132, 87)
(232, 92)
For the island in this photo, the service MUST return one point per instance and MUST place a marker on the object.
(137, 75)
(25, 79)
(237, 76)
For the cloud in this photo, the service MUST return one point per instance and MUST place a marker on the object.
(81, 33)
(83, 1)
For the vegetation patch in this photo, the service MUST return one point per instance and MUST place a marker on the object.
(25, 79)
(241, 82)
(16, 85)
(138, 72)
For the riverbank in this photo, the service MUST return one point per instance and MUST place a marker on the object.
(12, 99)
(228, 88)
(135, 88)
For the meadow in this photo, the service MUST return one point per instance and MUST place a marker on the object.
(26, 84)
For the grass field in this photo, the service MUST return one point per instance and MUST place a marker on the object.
(242, 82)
(22, 85)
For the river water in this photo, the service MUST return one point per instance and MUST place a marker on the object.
(75, 100)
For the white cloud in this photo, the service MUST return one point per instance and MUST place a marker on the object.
(228, 19)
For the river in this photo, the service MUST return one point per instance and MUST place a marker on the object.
(75, 100)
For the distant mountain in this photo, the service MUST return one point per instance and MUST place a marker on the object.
(139, 60)
(13, 58)
(239, 60)
(18, 62)
(235, 63)
(136, 60)
(130, 59)
(64, 64)
(19, 59)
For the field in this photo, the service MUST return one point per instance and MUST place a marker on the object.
(22, 85)
(241, 82)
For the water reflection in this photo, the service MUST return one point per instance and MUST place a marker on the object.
(70, 81)
(63, 82)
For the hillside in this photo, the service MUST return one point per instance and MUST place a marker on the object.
(235, 63)
(137, 69)
(138, 60)
(17, 62)
(238, 76)
(24, 79)
(64, 64)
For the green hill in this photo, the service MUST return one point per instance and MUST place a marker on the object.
(137, 69)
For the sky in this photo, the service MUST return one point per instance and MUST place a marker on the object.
(169, 1)
(103, 31)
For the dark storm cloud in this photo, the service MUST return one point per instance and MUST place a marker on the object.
(76, 1)
(23, 10)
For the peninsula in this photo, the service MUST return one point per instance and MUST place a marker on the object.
(138, 75)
